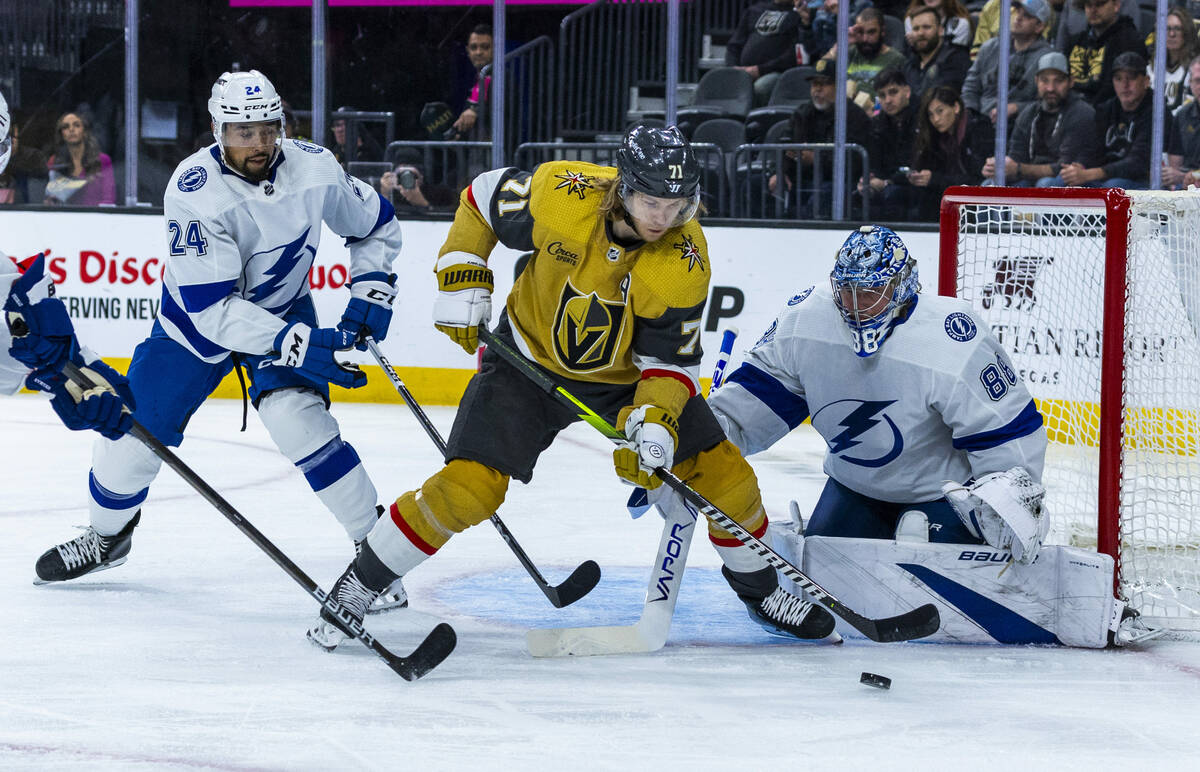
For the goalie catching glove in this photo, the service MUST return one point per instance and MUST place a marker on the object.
(1004, 509)
(464, 298)
(651, 435)
(313, 353)
(369, 312)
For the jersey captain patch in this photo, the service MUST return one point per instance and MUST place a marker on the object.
(690, 252)
(586, 330)
(574, 182)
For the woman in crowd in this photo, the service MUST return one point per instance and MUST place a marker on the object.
(80, 175)
(1182, 46)
(952, 146)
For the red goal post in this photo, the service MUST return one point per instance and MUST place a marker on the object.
(1095, 295)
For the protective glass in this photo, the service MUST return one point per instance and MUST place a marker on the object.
(257, 134)
(659, 213)
(5, 149)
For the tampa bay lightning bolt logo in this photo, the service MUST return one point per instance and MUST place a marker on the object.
(797, 299)
(307, 147)
(850, 423)
(960, 327)
(193, 179)
(286, 273)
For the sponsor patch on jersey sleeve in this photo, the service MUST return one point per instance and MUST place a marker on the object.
(960, 327)
(193, 179)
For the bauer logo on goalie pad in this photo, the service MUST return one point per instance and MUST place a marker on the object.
(193, 179)
(960, 327)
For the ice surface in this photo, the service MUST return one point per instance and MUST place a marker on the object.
(192, 655)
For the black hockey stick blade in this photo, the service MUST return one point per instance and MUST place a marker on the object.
(581, 581)
(915, 623)
(428, 655)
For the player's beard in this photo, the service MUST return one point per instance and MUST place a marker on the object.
(259, 171)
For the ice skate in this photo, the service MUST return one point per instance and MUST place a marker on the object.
(355, 598)
(394, 596)
(775, 609)
(1130, 630)
(85, 554)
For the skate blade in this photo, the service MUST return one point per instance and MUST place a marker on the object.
(325, 636)
(381, 606)
(37, 580)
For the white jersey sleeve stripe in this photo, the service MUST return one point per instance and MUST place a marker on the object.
(483, 188)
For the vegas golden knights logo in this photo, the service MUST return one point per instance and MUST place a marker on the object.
(586, 330)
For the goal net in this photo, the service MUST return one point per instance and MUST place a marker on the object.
(1095, 295)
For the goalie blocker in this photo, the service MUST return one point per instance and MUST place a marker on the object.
(1063, 597)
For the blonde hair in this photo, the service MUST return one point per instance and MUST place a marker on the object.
(612, 207)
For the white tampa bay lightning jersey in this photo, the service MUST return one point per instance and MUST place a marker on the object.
(12, 372)
(939, 401)
(239, 253)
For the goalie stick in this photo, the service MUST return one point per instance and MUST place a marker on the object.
(650, 632)
(917, 623)
(429, 653)
(585, 576)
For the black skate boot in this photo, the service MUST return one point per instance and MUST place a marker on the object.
(355, 590)
(775, 609)
(86, 553)
(394, 596)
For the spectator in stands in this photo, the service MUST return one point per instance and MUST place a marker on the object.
(766, 42)
(1182, 46)
(868, 57)
(1072, 20)
(932, 62)
(824, 26)
(409, 191)
(955, 21)
(893, 131)
(472, 123)
(80, 175)
(952, 146)
(980, 89)
(1126, 121)
(1183, 145)
(1057, 130)
(813, 122)
(988, 25)
(366, 147)
(1092, 52)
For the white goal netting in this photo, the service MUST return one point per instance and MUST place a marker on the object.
(1035, 269)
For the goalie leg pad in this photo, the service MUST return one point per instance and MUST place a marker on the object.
(304, 430)
(722, 476)
(1064, 596)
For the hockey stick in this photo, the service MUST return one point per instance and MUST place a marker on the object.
(585, 576)
(917, 623)
(650, 632)
(647, 634)
(428, 655)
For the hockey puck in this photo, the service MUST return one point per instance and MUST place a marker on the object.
(878, 681)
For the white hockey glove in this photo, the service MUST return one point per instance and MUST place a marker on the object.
(1004, 509)
(464, 298)
(651, 434)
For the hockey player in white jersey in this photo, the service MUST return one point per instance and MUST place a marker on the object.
(935, 455)
(37, 338)
(243, 220)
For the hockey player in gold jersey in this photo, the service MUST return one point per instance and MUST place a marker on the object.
(609, 305)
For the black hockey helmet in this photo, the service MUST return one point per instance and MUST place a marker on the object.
(658, 162)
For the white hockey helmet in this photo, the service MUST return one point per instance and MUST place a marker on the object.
(5, 139)
(244, 97)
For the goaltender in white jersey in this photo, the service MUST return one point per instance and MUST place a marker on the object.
(242, 223)
(935, 456)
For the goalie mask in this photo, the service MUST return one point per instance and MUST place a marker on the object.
(655, 164)
(246, 98)
(5, 139)
(874, 281)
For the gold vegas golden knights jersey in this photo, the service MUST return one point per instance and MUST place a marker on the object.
(586, 307)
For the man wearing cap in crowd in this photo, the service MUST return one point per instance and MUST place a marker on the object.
(987, 26)
(1125, 123)
(980, 89)
(1057, 130)
(813, 121)
(1092, 52)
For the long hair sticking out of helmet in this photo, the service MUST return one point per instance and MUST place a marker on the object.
(244, 97)
(874, 281)
(5, 129)
(658, 163)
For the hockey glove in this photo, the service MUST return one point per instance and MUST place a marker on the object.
(370, 309)
(464, 298)
(106, 407)
(41, 329)
(1004, 509)
(651, 434)
(313, 352)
